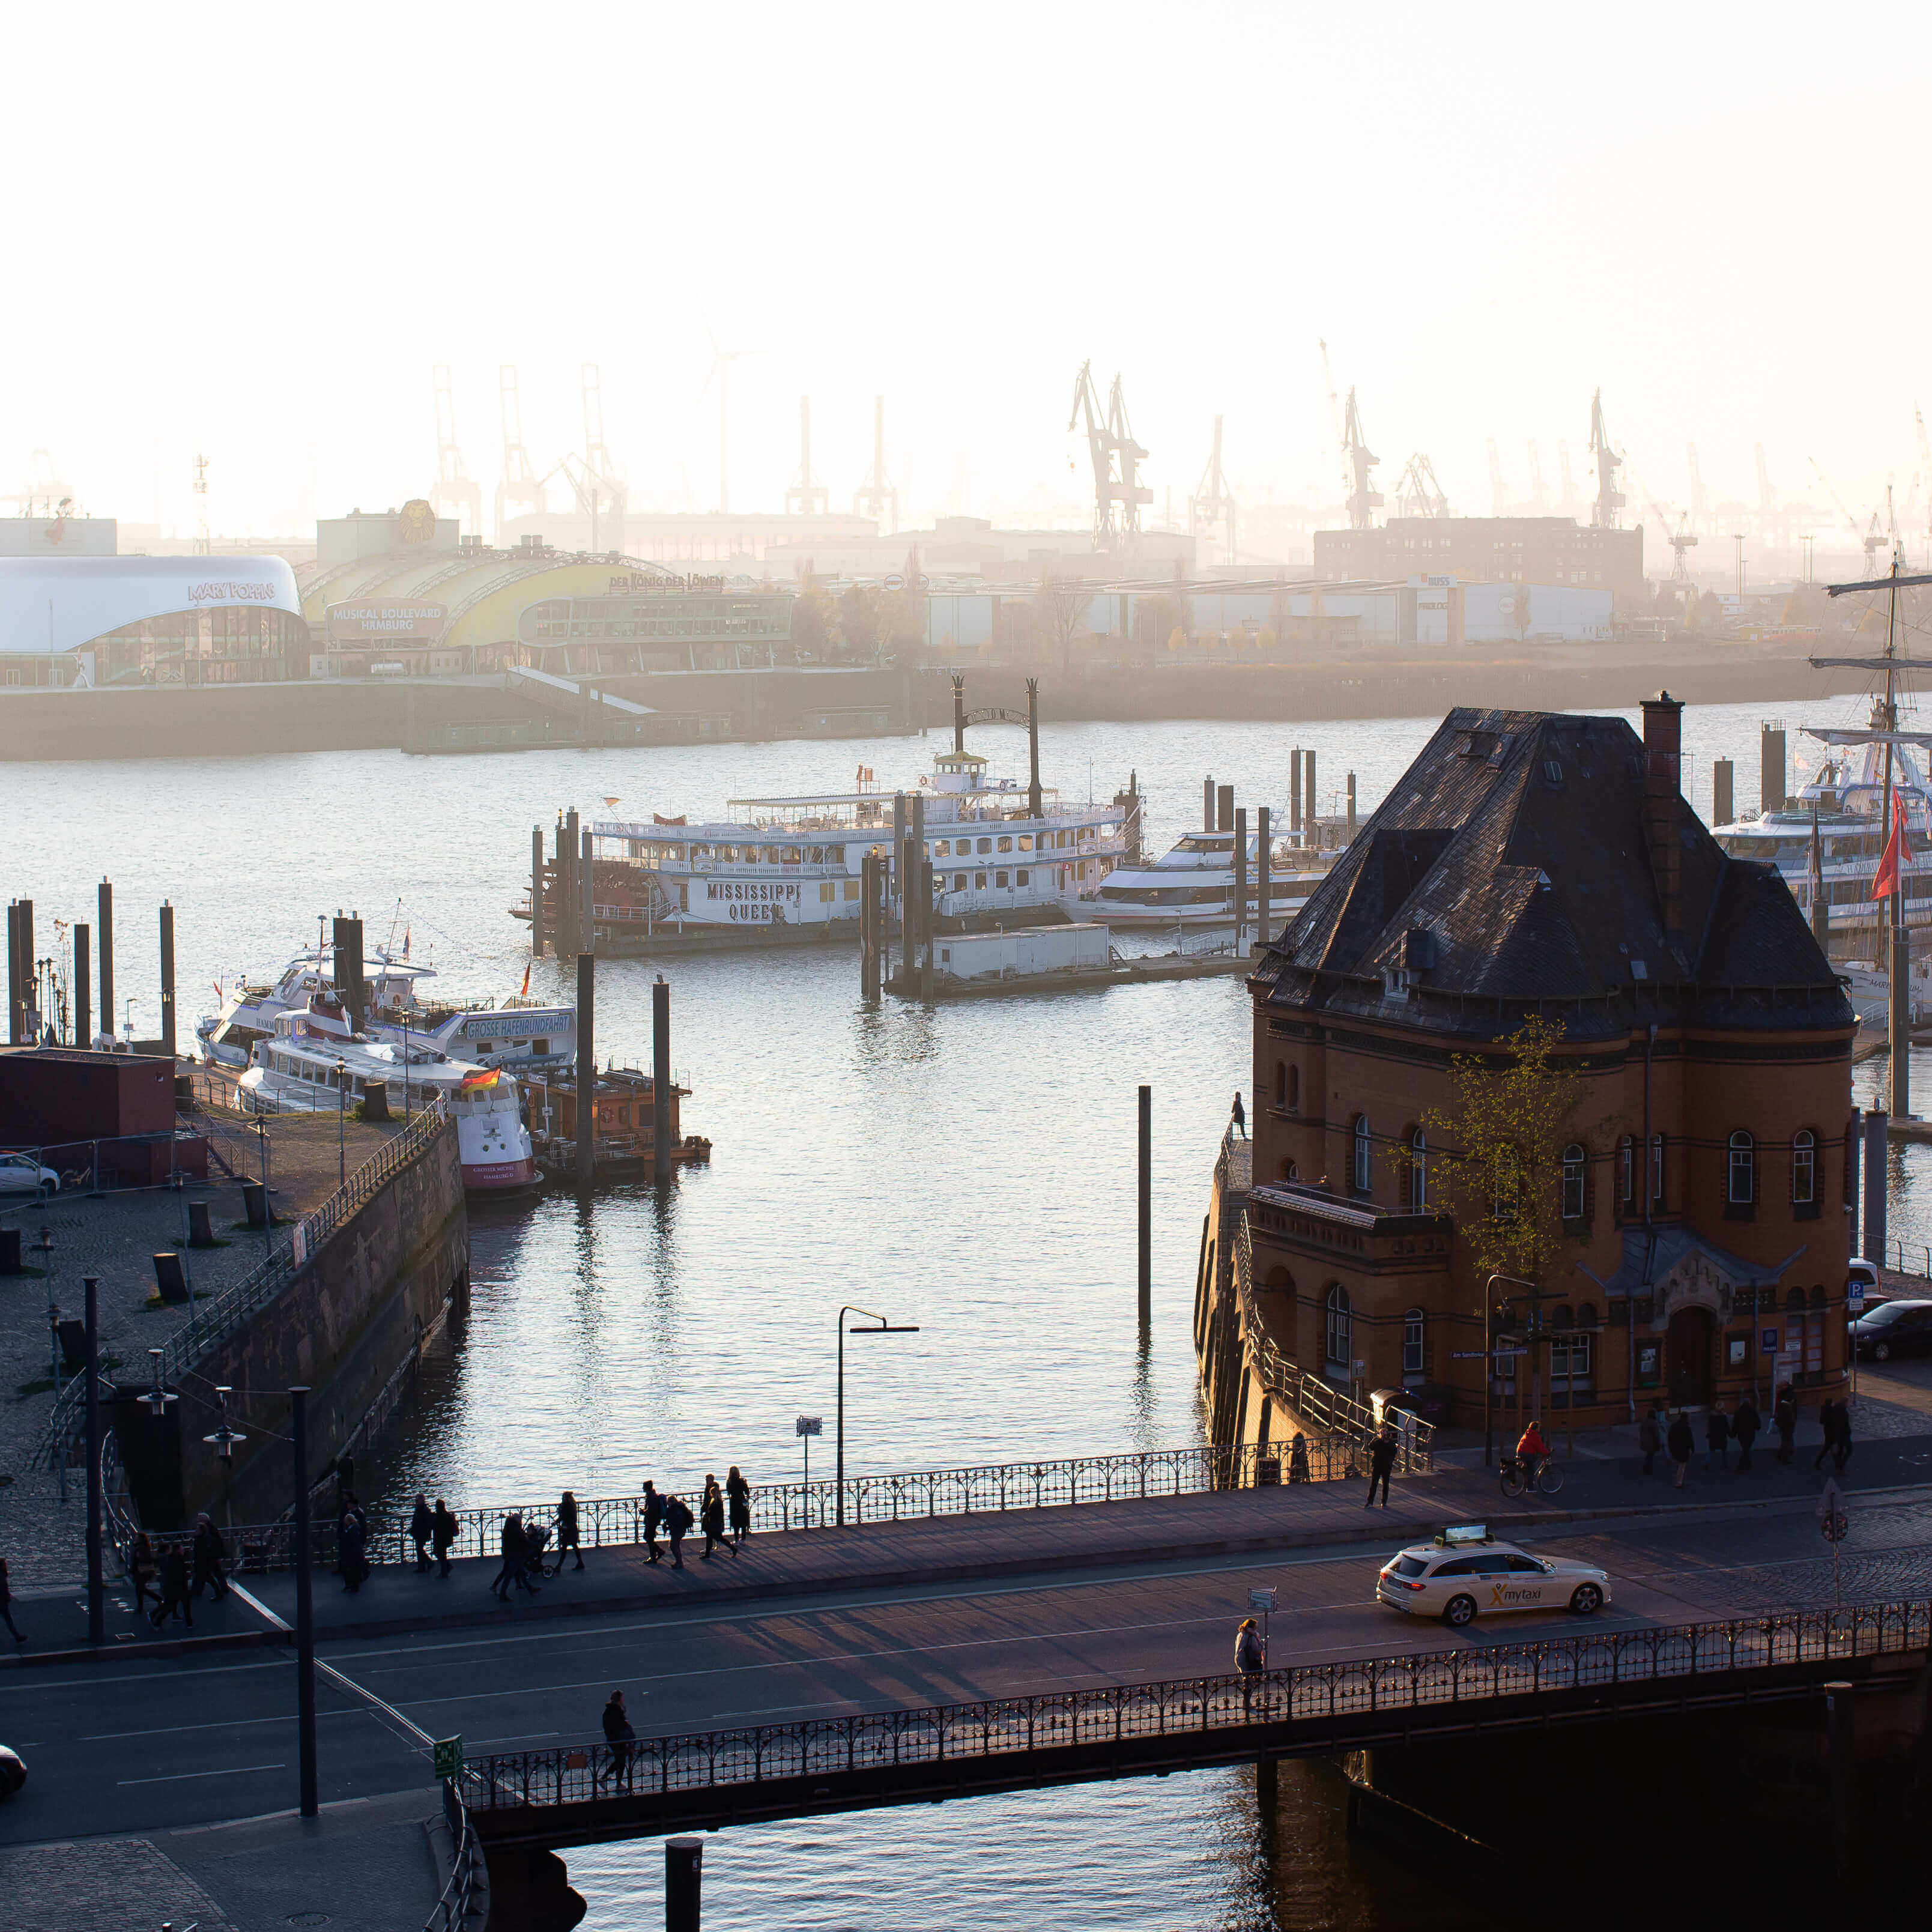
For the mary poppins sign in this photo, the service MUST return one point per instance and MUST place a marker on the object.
(394, 620)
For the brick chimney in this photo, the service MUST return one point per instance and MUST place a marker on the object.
(1663, 800)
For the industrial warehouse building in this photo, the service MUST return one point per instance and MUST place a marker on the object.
(1522, 550)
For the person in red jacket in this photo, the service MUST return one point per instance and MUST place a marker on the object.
(1532, 1452)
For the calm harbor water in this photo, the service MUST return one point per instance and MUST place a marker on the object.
(969, 1168)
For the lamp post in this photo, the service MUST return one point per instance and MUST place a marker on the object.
(883, 1327)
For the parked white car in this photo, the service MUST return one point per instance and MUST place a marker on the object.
(22, 1173)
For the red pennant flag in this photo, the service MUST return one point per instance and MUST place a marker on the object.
(1898, 852)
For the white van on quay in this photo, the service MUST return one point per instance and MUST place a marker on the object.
(1466, 1573)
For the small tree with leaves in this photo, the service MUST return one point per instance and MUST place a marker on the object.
(1495, 1154)
(1061, 604)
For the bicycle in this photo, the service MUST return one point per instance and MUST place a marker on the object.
(1549, 1477)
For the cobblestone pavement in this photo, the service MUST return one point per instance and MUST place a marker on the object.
(114, 1238)
(111, 1884)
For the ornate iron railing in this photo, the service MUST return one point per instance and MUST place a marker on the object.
(1109, 1713)
(903, 1497)
(235, 1307)
(452, 1905)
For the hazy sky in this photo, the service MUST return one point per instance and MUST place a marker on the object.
(254, 230)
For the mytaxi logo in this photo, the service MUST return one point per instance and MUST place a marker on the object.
(1502, 1595)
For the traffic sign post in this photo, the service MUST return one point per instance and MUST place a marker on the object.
(1833, 1524)
(1263, 1600)
(446, 1757)
(807, 1427)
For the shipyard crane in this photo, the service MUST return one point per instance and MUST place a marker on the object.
(1418, 494)
(1872, 539)
(877, 498)
(1118, 492)
(1609, 499)
(1364, 499)
(456, 491)
(805, 498)
(1680, 538)
(1497, 506)
(597, 457)
(1212, 505)
(1539, 496)
(519, 486)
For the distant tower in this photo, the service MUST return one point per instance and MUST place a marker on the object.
(877, 498)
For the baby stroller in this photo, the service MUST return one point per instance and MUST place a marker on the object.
(536, 1540)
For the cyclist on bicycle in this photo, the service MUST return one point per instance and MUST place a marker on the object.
(1532, 1452)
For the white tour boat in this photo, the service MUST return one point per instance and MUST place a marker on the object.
(1194, 884)
(521, 1034)
(789, 867)
(310, 1063)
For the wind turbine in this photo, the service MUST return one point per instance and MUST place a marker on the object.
(722, 360)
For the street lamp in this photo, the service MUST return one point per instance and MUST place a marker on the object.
(883, 1327)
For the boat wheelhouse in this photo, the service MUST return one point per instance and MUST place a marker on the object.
(1193, 884)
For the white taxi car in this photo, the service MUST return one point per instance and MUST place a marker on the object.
(1466, 1573)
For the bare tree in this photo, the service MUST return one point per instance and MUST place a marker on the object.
(1061, 604)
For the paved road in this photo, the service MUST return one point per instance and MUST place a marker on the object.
(145, 1745)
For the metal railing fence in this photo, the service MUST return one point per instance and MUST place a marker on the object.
(452, 1905)
(906, 1496)
(1108, 1714)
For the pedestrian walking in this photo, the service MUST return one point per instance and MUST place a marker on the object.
(678, 1520)
(1841, 1438)
(566, 1530)
(654, 1517)
(738, 1496)
(1716, 1437)
(442, 1535)
(422, 1527)
(1678, 1440)
(1744, 1426)
(208, 1554)
(141, 1573)
(1249, 1657)
(515, 1547)
(711, 1518)
(6, 1604)
(1297, 1458)
(1241, 1114)
(1381, 1460)
(1650, 1439)
(352, 1544)
(174, 1588)
(1784, 1420)
(1828, 1421)
(619, 1737)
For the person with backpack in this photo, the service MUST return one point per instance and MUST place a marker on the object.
(678, 1520)
(1249, 1657)
(711, 1518)
(619, 1737)
(422, 1527)
(566, 1530)
(441, 1535)
(1381, 1460)
(654, 1517)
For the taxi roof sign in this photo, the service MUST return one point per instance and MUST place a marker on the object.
(1463, 1532)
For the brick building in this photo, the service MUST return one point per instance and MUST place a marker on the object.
(1523, 550)
(1530, 863)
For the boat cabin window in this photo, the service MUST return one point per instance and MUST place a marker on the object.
(791, 856)
(959, 882)
(1025, 878)
(1000, 880)
(1026, 841)
(978, 882)
(944, 850)
(1006, 844)
(986, 844)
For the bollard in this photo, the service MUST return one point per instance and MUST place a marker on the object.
(1351, 806)
(1207, 804)
(1224, 808)
(83, 993)
(1147, 1206)
(13, 981)
(255, 1202)
(167, 980)
(536, 892)
(586, 938)
(1723, 783)
(684, 1873)
(662, 1150)
(1771, 768)
(1240, 879)
(1263, 875)
(200, 1232)
(1294, 791)
(587, 1070)
(1308, 813)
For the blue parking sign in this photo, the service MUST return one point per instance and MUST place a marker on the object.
(1767, 1340)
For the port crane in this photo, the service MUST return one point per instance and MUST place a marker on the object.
(519, 490)
(455, 489)
(1212, 505)
(1539, 496)
(597, 458)
(1872, 537)
(807, 497)
(1418, 494)
(1609, 498)
(1118, 492)
(877, 498)
(1681, 537)
(1364, 499)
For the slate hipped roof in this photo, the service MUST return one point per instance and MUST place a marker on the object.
(1510, 866)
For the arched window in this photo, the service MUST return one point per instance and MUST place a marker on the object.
(1364, 1163)
(1803, 1168)
(1742, 1170)
(1341, 1331)
(1414, 1343)
(1289, 1172)
(1280, 1083)
(1418, 1172)
(1294, 1090)
(1627, 1172)
(1573, 1182)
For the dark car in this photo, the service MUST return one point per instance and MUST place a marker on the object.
(1898, 1328)
(12, 1772)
